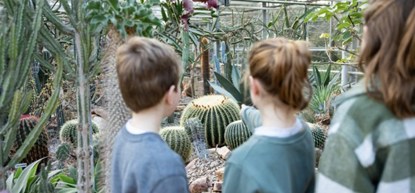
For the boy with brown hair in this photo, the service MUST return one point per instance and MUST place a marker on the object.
(148, 73)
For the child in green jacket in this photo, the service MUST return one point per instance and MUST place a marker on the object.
(279, 157)
(371, 141)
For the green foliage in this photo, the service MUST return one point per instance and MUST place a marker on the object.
(68, 132)
(236, 133)
(215, 112)
(178, 140)
(128, 17)
(234, 88)
(40, 148)
(349, 17)
(319, 137)
(31, 179)
(20, 35)
(325, 86)
(66, 181)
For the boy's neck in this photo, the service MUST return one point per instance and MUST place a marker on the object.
(147, 120)
(280, 117)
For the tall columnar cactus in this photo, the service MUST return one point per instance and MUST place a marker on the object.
(195, 130)
(204, 61)
(68, 132)
(319, 136)
(215, 112)
(178, 140)
(236, 133)
(40, 148)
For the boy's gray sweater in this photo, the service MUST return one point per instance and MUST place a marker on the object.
(144, 163)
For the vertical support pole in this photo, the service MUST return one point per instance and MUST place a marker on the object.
(264, 21)
(344, 72)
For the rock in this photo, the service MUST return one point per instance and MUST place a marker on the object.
(318, 153)
(200, 185)
(204, 167)
(224, 152)
(217, 187)
(219, 174)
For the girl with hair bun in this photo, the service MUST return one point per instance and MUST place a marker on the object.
(279, 157)
(371, 142)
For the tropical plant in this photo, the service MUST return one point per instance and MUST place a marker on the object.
(66, 181)
(21, 30)
(127, 17)
(234, 88)
(325, 86)
(31, 179)
(349, 22)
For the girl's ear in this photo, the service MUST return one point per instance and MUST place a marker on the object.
(254, 85)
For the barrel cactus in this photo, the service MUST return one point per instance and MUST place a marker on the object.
(68, 132)
(178, 140)
(39, 149)
(319, 136)
(215, 112)
(236, 133)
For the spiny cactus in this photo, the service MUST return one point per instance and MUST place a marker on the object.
(215, 112)
(63, 152)
(194, 128)
(236, 133)
(204, 61)
(68, 132)
(40, 148)
(319, 136)
(178, 140)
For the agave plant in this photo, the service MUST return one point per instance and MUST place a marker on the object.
(235, 88)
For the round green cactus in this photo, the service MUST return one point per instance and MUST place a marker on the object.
(178, 140)
(68, 131)
(63, 152)
(319, 136)
(215, 112)
(40, 148)
(236, 133)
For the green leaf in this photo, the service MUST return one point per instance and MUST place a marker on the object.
(22, 182)
(317, 77)
(326, 78)
(221, 90)
(236, 77)
(229, 87)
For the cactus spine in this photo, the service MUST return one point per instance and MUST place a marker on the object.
(215, 112)
(178, 140)
(68, 132)
(236, 133)
(40, 148)
(319, 136)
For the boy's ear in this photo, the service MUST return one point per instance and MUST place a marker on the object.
(171, 95)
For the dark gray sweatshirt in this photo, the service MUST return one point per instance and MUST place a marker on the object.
(144, 163)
